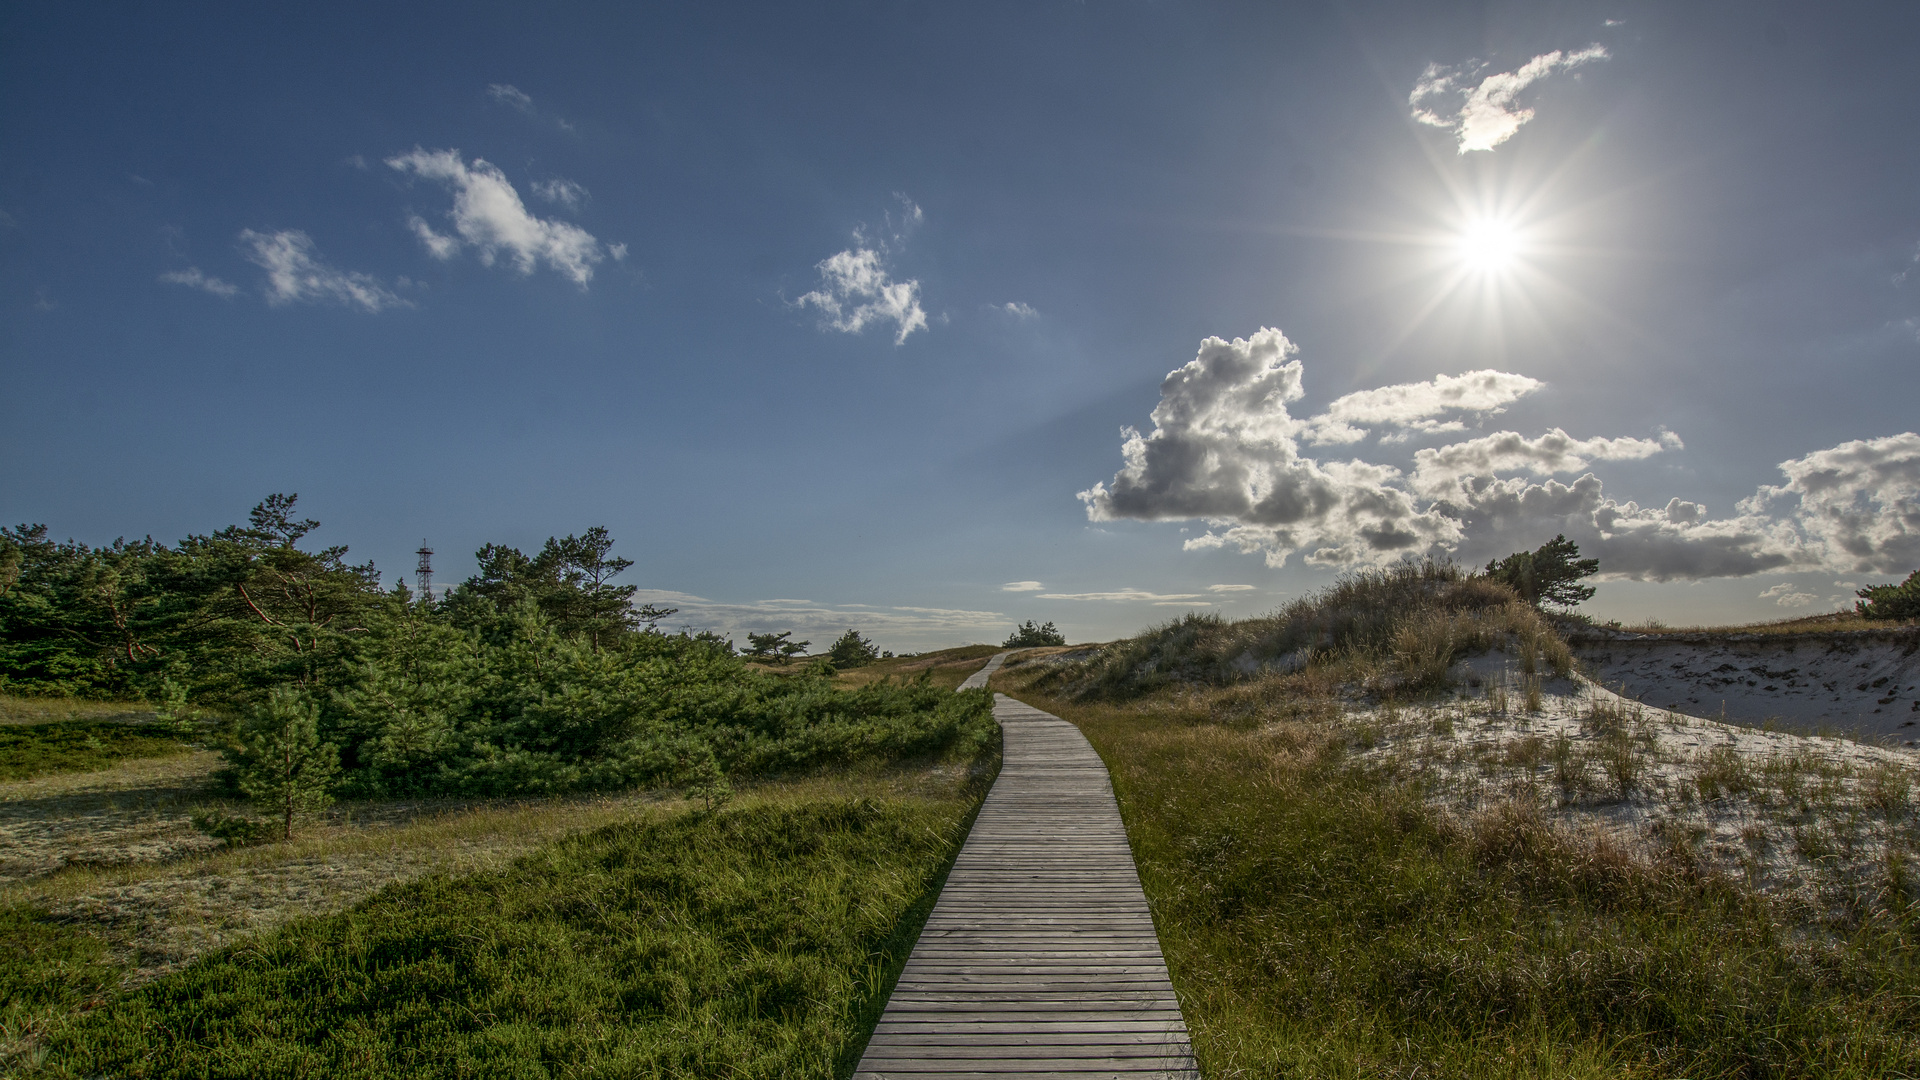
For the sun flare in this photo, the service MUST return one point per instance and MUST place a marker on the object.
(1488, 245)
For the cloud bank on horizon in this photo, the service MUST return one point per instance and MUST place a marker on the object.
(1485, 116)
(1225, 450)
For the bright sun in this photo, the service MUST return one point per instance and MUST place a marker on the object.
(1488, 245)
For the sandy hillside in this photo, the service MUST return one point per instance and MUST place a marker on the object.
(1862, 681)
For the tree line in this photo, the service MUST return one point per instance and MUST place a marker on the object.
(538, 674)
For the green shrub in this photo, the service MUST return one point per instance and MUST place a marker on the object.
(1900, 601)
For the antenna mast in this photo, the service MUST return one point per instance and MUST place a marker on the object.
(423, 573)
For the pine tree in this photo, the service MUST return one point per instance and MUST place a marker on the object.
(281, 763)
(1028, 635)
(852, 650)
(1900, 601)
(1549, 575)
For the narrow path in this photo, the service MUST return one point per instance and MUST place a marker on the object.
(1039, 958)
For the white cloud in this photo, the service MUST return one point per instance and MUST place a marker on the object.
(618, 251)
(1229, 588)
(895, 626)
(489, 217)
(858, 289)
(1413, 407)
(1487, 116)
(1224, 450)
(1019, 310)
(1022, 586)
(1786, 595)
(1856, 506)
(1439, 472)
(564, 192)
(192, 278)
(511, 96)
(295, 272)
(1134, 595)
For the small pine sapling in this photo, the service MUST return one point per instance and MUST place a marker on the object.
(281, 763)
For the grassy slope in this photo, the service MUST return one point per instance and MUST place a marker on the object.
(947, 668)
(1320, 920)
(30, 750)
(758, 941)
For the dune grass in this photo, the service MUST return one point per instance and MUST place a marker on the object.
(946, 669)
(15, 709)
(758, 940)
(1393, 630)
(1320, 920)
(1323, 915)
(28, 750)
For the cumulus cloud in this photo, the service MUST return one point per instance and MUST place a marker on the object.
(1224, 449)
(1022, 586)
(1020, 310)
(857, 286)
(192, 278)
(857, 289)
(295, 272)
(1440, 472)
(1484, 114)
(489, 217)
(1412, 408)
(1786, 595)
(1857, 505)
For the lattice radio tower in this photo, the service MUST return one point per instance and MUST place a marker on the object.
(423, 573)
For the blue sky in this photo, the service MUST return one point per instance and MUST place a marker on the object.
(834, 314)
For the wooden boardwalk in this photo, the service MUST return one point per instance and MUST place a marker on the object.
(1039, 958)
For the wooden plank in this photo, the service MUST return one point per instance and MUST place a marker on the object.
(1040, 956)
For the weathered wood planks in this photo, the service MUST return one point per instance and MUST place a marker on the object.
(1040, 956)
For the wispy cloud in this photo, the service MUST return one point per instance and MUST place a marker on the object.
(1486, 114)
(512, 97)
(564, 192)
(1127, 595)
(1022, 586)
(521, 102)
(192, 278)
(858, 288)
(1229, 588)
(296, 273)
(1019, 310)
(489, 217)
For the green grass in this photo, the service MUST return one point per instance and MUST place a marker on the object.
(30, 750)
(1321, 920)
(756, 941)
